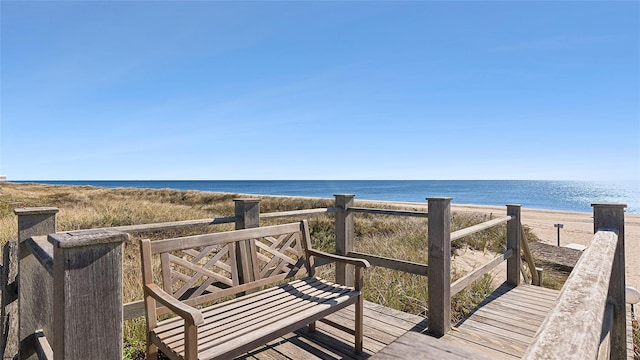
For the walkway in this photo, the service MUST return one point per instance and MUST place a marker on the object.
(501, 327)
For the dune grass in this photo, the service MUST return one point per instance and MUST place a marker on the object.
(83, 207)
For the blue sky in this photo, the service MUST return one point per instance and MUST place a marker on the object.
(320, 90)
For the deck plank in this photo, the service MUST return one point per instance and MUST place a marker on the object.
(382, 326)
(501, 327)
(504, 324)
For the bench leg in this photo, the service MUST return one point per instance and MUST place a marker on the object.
(359, 324)
(312, 327)
(152, 351)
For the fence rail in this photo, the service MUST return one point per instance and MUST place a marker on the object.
(466, 280)
(283, 214)
(393, 264)
(174, 225)
(421, 214)
(477, 228)
(42, 250)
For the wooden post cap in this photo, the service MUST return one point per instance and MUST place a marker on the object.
(36, 211)
(87, 238)
(439, 198)
(249, 200)
(609, 204)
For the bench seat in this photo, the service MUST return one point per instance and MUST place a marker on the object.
(237, 326)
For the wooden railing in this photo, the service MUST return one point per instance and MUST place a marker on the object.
(438, 267)
(40, 247)
(588, 321)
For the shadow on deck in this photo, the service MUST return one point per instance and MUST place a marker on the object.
(501, 327)
(382, 326)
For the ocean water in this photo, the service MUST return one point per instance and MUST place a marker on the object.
(554, 195)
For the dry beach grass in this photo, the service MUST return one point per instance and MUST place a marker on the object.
(402, 238)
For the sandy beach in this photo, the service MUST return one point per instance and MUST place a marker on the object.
(578, 229)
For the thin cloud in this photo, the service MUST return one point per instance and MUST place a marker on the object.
(561, 42)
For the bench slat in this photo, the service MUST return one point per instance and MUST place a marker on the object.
(220, 329)
(267, 297)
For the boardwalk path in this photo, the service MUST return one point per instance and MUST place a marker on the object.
(501, 327)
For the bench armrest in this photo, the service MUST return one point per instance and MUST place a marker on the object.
(189, 314)
(333, 257)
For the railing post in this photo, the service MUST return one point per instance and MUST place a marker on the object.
(344, 237)
(611, 216)
(35, 292)
(247, 213)
(439, 270)
(9, 339)
(87, 294)
(513, 242)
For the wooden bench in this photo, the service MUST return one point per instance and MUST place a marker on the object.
(251, 286)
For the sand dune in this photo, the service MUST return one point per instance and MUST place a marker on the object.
(578, 229)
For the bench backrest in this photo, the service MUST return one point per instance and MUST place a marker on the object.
(202, 268)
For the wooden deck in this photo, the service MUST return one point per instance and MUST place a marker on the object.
(501, 327)
(504, 324)
(382, 326)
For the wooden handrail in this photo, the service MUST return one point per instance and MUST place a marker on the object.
(393, 264)
(173, 225)
(42, 249)
(572, 330)
(482, 226)
(535, 280)
(466, 280)
(421, 214)
(290, 213)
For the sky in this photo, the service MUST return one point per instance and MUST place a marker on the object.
(319, 90)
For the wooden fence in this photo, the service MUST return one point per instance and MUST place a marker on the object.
(588, 321)
(71, 283)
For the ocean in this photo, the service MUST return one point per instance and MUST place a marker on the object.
(553, 195)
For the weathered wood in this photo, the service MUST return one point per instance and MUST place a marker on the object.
(529, 258)
(133, 310)
(525, 274)
(42, 249)
(550, 256)
(479, 227)
(505, 322)
(87, 294)
(572, 329)
(9, 338)
(344, 229)
(416, 346)
(476, 274)
(407, 213)
(604, 350)
(43, 348)
(611, 216)
(247, 212)
(540, 272)
(439, 278)
(513, 242)
(173, 225)
(235, 326)
(381, 327)
(196, 241)
(393, 264)
(305, 212)
(36, 312)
